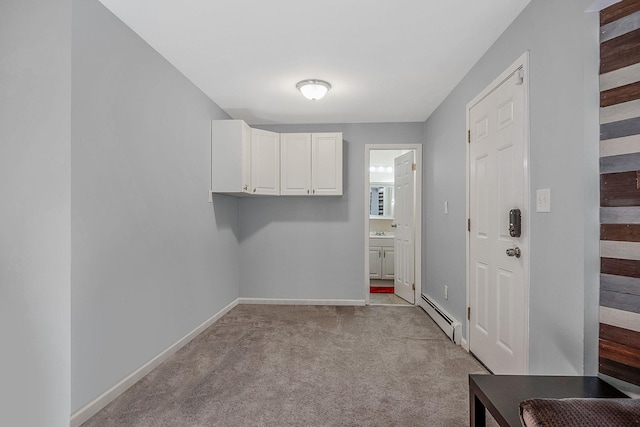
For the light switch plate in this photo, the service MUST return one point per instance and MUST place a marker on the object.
(543, 200)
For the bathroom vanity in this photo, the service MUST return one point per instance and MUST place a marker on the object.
(381, 257)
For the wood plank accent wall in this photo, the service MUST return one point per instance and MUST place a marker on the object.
(619, 345)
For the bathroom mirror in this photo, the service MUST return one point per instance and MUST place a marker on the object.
(381, 200)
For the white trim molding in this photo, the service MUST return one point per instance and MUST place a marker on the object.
(91, 408)
(286, 301)
(417, 148)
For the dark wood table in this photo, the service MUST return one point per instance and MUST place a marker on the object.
(501, 394)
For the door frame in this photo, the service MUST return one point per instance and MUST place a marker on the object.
(418, 219)
(522, 62)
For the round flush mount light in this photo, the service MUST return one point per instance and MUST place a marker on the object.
(313, 89)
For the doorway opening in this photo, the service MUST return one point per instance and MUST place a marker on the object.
(392, 217)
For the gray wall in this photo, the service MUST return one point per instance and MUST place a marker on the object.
(313, 247)
(563, 45)
(151, 259)
(35, 105)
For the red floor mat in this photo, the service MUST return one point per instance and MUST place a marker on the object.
(381, 289)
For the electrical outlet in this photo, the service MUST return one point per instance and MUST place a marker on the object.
(446, 292)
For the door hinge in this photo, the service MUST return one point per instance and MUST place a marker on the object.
(469, 136)
(413, 287)
(468, 313)
(468, 224)
(413, 166)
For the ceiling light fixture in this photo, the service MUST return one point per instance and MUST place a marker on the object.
(313, 89)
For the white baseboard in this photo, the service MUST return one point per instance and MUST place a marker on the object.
(464, 344)
(301, 301)
(91, 408)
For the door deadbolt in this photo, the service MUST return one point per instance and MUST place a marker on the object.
(514, 252)
(515, 223)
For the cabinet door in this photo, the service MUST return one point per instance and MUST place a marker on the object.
(230, 156)
(265, 162)
(388, 263)
(326, 164)
(295, 164)
(375, 264)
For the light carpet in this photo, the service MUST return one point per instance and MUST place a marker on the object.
(268, 365)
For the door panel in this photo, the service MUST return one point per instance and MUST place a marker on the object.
(326, 168)
(497, 333)
(295, 168)
(265, 162)
(404, 215)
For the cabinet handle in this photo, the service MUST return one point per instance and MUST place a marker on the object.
(254, 190)
(307, 191)
(246, 187)
(314, 191)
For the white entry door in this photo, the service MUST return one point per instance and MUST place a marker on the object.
(497, 296)
(404, 216)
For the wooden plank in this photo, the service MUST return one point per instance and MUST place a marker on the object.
(620, 94)
(620, 335)
(619, 189)
(619, 370)
(622, 163)
(622, 215)
(620, 52)
(620, 318)
(620, 301)
(620, 284)
(621, 26)
(622, 250)
(617, 146)
(618, 11)
(619, 353)
(620, 77)
(620, 267)
(619, 112)
(620, 232)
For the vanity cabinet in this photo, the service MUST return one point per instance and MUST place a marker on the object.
(381, 258)
(388, 262)
(311, 164)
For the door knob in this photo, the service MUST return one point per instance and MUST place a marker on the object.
(514, 252)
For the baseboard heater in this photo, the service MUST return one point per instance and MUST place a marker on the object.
(451, 327)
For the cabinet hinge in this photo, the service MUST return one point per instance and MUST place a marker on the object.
(469, 136)
(413, 166)
(468, 313)
(468, 224)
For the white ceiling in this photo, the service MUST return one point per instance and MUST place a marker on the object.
(388, 61)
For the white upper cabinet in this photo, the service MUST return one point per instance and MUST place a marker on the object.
(230, 157)
(311, 164)
(295, 164)
(265, 162)
(326, 164)
(246, 161)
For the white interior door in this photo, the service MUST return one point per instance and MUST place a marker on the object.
(404, 218)
(497, 298)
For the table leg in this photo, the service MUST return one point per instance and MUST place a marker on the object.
(476, 411)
